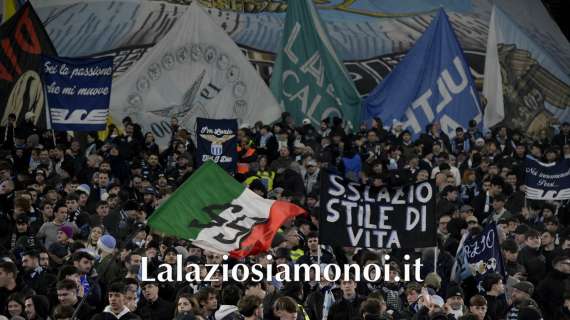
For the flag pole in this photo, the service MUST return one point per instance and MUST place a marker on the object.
(435, 259)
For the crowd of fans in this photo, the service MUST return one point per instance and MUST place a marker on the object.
(73, 212)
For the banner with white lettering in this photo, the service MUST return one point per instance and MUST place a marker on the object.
(217, 142)
(478, 254)
(362, 216)
(547, 181)
(432, 83)
(78, 91)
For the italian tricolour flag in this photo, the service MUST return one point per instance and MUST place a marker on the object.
(221, 215)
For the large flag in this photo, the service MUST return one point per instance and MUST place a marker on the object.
(357, 215)
(308, 78)
(547, 181)
(478, 254)
(78, 92)
(9, 8)
(526, 87)
(195, 71)
(432, 83)
(219, 214)
(24, 40)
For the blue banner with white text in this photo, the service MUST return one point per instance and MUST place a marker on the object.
(217, 141)
(432, 83)
(547, 181)
(479, 255)
(78, 92)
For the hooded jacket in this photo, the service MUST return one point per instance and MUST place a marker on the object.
(107, 314)
(227, 312)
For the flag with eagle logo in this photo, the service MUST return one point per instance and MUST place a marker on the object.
(219, 214)
(217, 142)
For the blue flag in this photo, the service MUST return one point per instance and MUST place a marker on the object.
(217, 141)
(78, 92)
(547, 181)
(478, 255)
(432, 83)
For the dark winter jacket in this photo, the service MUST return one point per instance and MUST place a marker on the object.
(549, 293)
(346, 309)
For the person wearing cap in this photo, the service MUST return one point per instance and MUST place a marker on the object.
(152, 306)
(61, 249)
(311, 176)
(550, 291)
(521, 291)
(454, 300)
(117, 308)
(107, 267)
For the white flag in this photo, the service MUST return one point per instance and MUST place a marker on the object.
(196, 70)
(493, 84)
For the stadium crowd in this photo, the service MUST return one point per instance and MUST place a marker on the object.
(73, 211)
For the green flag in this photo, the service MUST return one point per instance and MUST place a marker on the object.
(219, 214)
(308, 79)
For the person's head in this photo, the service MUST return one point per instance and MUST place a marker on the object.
(96, 233)
(532, 239)
(285, 308)
(498, 202)
(30, 260)
(522, 291)
(15, 305)
(83, 261)
(8, 274)
(493, 284)
(547, 238)
(208, 299)
(442, 224)
(371, 308)
(116, 295)
(64, 234)
(63, 312)
(44, 259)
(67, 290)
(185, 303)
(150, 291)
(60, 213)
(510, 250)
(478, 306)
(251, 306)
(455, 297)
(231, 295)
(413, 291)
(348, 287)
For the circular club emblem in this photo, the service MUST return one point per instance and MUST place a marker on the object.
(143, 84)
(223, 61)
(182, 54)
(168, 61)
(232, 75)
(196, 52)
(154, 71)
(210, 54)
(239, 89)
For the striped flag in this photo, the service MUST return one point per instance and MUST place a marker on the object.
(221, 215)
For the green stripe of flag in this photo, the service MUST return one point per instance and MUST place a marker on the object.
(208, 185)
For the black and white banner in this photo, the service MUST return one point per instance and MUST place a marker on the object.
(358, 215)
(547, 181)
